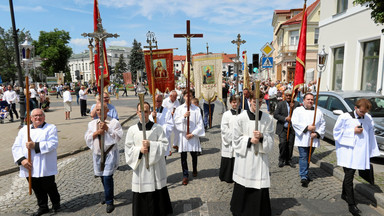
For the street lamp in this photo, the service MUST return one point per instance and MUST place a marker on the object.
(26, 54)
(322, 59)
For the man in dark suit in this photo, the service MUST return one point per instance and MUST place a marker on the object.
(281, 114)
(246, 94)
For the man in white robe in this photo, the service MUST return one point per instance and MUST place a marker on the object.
(302, 120)
(163, 118)
(43, 165)
(189, 142)
(228, 122)
(251, 172)
(149, 186)
(355, 144)
(171, 103)
(112, 131)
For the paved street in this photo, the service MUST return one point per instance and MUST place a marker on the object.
(81, 193)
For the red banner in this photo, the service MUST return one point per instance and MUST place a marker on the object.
(96, 16)
(127, 77)
(164, 77)
(301, 54)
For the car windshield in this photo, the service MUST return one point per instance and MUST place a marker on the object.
(377, 109)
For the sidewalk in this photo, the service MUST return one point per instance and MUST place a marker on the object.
(70, 132)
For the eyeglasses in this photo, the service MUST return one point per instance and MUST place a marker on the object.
(358, 109)
(39, 115)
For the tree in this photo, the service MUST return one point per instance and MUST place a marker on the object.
(8, 68)
(53, 49)
(136, 62)
(120, 67)
(377, 7)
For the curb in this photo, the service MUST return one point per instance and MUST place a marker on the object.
(63, 155)
(364, 189)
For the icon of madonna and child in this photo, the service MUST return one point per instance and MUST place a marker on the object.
(208, 74)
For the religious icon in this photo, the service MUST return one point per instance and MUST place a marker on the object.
(160, 70)
(208, 74)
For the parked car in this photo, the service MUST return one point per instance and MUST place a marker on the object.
(335, 103)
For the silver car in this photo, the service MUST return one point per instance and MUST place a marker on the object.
(332, 104)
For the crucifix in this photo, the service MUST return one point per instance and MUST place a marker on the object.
(100, 36)
(207, 48)
(238, 42)
(188, 36)
(152, 39)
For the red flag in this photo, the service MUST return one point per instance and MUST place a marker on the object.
(301, 54)
(163, 69)
(96, 16)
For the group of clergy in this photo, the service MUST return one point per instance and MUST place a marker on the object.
(245, 148)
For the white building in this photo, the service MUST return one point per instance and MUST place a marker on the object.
(355, 45)
(82, 62)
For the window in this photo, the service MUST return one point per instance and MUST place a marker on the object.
(316, 41)
(116, 55)
(338, 63)
(370, 65)
(322, 100)
(335, 104)
(342, 5)
(294, 38)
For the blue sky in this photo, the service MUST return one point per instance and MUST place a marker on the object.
(219, 20)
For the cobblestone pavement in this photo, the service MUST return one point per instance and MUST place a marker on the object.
(81, 193)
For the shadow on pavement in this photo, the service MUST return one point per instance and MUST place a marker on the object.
(187, 206)
(279, 205)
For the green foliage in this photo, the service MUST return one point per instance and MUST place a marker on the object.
(120, 67)
(53, 49)
(377, 7)
(8, 68)
(136, 62)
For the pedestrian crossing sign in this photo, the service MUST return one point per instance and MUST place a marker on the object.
(267, 62)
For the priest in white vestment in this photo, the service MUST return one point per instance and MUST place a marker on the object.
(112, 132)
(43, 165)
(302, 123)
(251, 172)
(228, 122)
(171, 103)
(355, 144)
(189, 142)
(149, 186)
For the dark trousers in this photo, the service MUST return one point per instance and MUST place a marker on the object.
(184, 163)
(206, 114)
(83, 107)
(347, 191)
(44, 187)
(12, 109)
(286, 146)
(125, 92)
(108, 188)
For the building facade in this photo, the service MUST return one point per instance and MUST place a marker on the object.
(286, 32)
(355, 45)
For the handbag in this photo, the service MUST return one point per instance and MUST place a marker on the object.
(368, 175)
(266, 97)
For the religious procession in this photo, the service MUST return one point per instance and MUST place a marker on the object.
(259, 153)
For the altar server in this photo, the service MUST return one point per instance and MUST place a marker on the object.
(251, 172)
(149, 186)
(355, 144)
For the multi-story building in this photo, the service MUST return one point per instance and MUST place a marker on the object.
(286, 32)
(82, 62)
(355, 45)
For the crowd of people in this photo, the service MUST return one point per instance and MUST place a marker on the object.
(243, 144)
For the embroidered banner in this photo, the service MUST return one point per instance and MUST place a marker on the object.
(207, 71)
(164, 76)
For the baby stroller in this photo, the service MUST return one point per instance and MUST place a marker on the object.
(3, 111)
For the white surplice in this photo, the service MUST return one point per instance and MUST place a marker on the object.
(143, 179)
(354, 150)
(251, 170)
(301, 118)
(227, 124)
(111, 137)
(165, 119)
(196, 127)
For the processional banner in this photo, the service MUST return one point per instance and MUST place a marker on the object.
(162, 62)
(127, 77)
(207, 71)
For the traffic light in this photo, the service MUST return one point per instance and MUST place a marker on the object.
(255, 60)
(230, 70)
(250, 68)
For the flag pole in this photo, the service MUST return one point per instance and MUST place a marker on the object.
(295, 90)
(314, 118)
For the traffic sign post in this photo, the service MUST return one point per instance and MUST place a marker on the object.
(267, 49)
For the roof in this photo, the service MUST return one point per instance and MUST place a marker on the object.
(298, 17)
(282, 11)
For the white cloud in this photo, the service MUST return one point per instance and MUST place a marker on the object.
(118, 43)
(77, 10)
(79, 42)
(23, 8)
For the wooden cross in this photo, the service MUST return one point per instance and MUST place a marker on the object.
(238, 42)
(188, 36)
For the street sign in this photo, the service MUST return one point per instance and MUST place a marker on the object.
(267, 49)
(267, 62)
